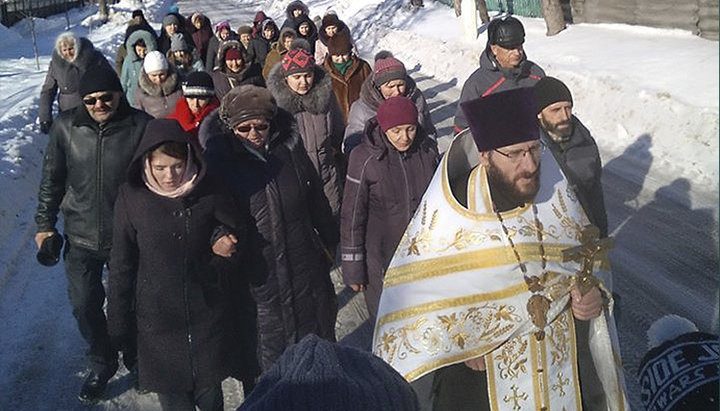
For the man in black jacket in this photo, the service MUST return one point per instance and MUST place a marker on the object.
(573, 147)
(85, 162)
(503, 66)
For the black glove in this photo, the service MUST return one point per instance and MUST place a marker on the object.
(45, 126)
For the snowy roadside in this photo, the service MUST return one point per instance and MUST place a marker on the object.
(629, 83)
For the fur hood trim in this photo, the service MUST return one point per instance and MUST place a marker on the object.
(223, 48)
(168, 87)
(370, 92)
(84, 51)
(316, 101)
(144, 35)
(283, 130)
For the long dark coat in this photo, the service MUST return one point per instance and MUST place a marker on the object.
(64, 77)
(320, 123)
(382, 191)
(294, 224)
(163, 271)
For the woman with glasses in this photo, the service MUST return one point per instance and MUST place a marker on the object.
(197, 102)
(255, 149)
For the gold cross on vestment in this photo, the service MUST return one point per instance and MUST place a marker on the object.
(515, 398)
(590, 246)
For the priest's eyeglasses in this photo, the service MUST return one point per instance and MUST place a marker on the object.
(516, 156)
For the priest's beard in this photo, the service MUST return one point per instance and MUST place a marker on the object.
(508, 192)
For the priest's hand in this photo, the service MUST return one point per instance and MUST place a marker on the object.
(225, 245)
(357, 287)
(588, 306)
(477, 364)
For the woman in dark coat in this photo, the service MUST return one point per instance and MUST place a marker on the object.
(387, 176)
(255, 148)
(164, 272)
(260, 46)
(305, 90)
(233, 68)
(71, 58)
(201, 33)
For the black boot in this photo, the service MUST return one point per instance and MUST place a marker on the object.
(94, 385)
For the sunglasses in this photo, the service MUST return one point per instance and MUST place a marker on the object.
(246, 129)
(105, 98)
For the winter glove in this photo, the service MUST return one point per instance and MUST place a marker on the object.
(45, 126)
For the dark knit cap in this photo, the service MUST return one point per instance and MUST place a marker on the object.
(681, 374)
(99, 79)
(396, 111)
(137, 13)
(388, 69)
(247, 102)
(331, 19)
(315, 374)
(340, 44)
(297, 61)
(550, 90)
(244, 30)
(502, 119)
(300, 43)
(198, 84)
(506, 32)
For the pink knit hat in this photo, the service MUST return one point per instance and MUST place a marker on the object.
(388, 69)
(396, 111)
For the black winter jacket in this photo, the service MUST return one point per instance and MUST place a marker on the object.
(491, 78)
(164, 274)
(83, 167)
(382, 191)
(294, 223)
(580, 161)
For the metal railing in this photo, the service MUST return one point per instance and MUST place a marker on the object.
(12, 11)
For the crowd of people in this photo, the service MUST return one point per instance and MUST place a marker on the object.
(216, 173)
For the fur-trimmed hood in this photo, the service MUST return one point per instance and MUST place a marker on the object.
(316, 101)
(297, 4)
(169, 86)
(85, 52)
(148, 38)
(283, 131)
(223, 48)
(370, 92)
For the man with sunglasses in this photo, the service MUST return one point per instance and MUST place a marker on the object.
(503, 66)
(479, 308)
(85, 162)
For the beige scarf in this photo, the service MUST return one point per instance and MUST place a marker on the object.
(187, 183)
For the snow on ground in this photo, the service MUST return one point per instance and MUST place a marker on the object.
(650, 97)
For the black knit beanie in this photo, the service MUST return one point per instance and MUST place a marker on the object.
(318, 375)
(550, 90)
(99, 79)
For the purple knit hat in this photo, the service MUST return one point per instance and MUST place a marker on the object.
(396, 111)
(502, 119)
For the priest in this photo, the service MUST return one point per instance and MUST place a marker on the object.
(499, 296)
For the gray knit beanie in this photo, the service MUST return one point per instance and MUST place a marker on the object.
(178, 43)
